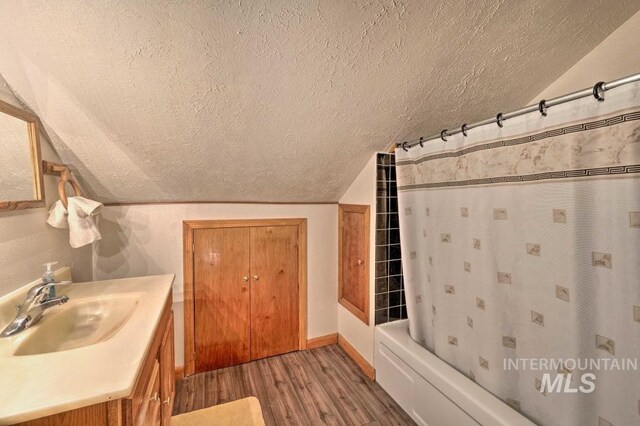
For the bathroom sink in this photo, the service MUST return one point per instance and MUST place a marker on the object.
(81, 322)
(87, 351)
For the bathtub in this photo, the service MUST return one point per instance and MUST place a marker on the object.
(430, 390)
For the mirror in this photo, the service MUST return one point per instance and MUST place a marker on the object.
(21, 182)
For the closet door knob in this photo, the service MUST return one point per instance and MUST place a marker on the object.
(255, 277)
(245, 278)
(360, 261)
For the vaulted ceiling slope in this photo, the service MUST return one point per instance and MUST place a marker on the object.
(269, 100)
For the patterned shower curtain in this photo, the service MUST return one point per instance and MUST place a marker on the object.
(521, 255)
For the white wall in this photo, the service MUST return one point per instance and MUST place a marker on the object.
(26, 241)
(147, 239)
(360, 335)
(616, 56)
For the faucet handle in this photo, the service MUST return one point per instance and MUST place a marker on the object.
(38, 289)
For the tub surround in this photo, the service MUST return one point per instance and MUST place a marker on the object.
(390, 303)
(429, 389)
(38, 385)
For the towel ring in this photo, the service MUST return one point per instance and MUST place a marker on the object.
(65, 177)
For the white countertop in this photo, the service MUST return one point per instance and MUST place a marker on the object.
(34, 386)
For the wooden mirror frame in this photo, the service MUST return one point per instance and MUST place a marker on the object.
(36, 163)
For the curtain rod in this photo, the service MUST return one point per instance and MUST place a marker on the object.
(596, 91)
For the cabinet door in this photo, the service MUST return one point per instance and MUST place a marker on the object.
(353, 253)
(167, 373)
(274, 290)
(148, 405)
(221, 296)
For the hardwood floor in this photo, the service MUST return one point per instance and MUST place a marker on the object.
(314, 387)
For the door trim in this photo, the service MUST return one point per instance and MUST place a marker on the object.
(364, 209)
(188, 226)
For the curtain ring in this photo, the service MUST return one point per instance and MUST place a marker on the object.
(443, 135)
(404, 146)
(599, 87)
(499, 119)
(542, 107)
(464, 129)
(421, 142)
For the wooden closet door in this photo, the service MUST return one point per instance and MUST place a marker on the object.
(222, 297)
(353, 253)
(274, 290)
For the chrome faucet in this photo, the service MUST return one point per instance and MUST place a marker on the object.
(30, 312)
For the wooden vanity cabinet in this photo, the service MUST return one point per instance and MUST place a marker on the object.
(151, 401)
(167, 374)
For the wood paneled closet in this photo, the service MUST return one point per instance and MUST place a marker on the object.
(245, 285)
(353, 257)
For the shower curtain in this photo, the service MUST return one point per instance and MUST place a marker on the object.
(521, 255)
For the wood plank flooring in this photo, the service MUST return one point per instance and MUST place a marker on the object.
(315, 387)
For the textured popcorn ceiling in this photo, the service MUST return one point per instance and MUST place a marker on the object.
(275, 100)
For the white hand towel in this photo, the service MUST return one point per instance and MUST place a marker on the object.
(58, 216)
(79, 220)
